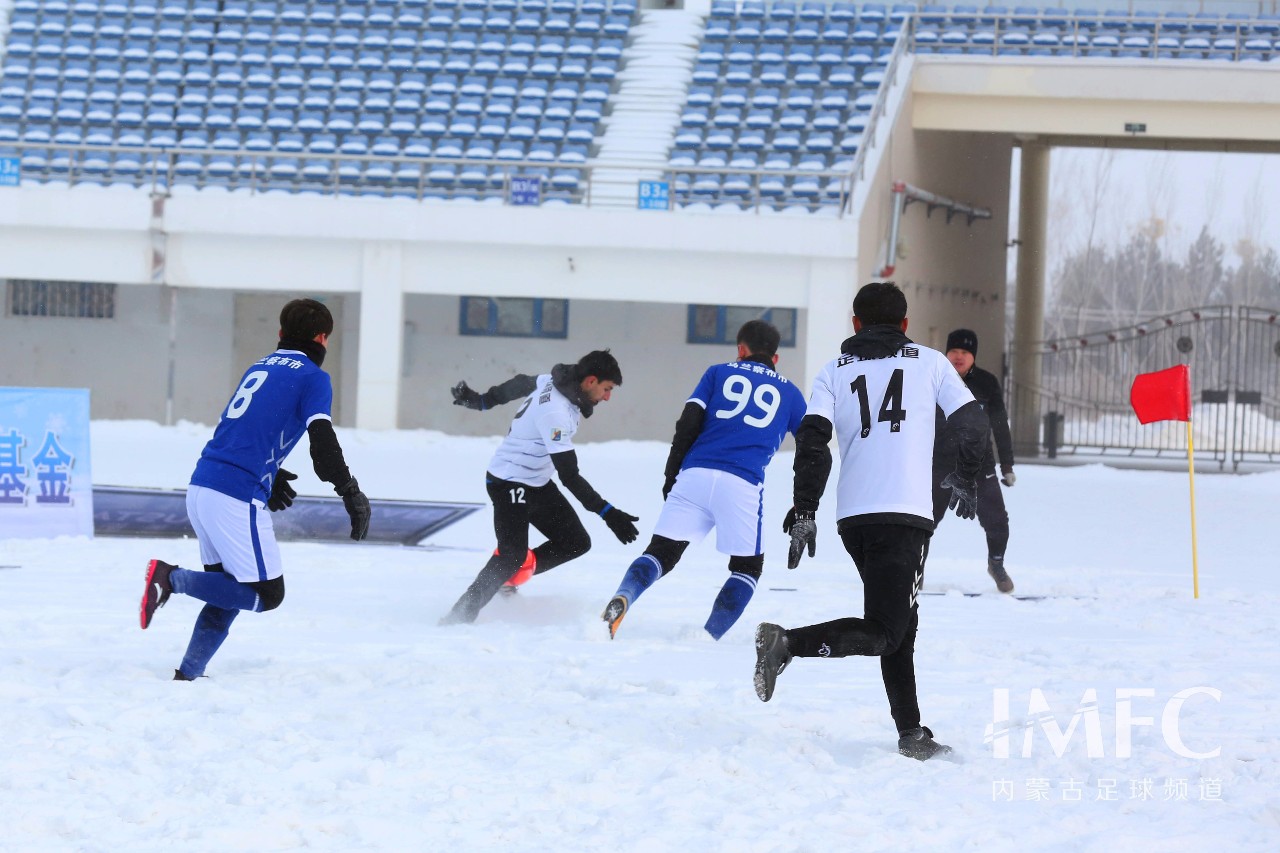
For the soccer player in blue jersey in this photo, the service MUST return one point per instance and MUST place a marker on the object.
(238, 476)
(730, 428)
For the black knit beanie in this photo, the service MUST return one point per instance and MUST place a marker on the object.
(964, 339)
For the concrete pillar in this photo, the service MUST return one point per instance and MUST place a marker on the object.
(832, 285)
(1028, 325)
(381, 336)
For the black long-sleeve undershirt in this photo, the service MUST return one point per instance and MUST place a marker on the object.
(566, 464)
(969, 425)
(688, 428)
(812, 464)
(326, 453)
(517, 387)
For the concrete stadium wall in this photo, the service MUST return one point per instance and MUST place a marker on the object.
(393, 273)
(954, 274)
(1186, 104)
(659, 368)
(125, 361)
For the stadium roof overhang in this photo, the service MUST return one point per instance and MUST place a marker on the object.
(1174, 104)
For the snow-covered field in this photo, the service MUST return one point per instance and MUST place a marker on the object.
(347, 720)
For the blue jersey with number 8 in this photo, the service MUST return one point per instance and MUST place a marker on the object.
(750, 410)
(278, 397)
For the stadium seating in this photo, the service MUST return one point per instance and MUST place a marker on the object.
(449, 98)
(789, 85)
(499, 80)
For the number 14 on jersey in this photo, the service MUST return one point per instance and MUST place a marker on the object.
(891, 410)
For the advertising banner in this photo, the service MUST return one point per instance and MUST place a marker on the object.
(46, 484)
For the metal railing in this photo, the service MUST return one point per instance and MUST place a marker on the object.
(880, 107)
(160, 170)
(1234, 354)
(1148, 37)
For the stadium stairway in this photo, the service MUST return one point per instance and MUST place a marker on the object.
(646, 107)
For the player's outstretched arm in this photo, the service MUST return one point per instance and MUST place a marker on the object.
(688, 428)
(813, 462)
(998, 416)
(812, 467)
(519, 386)
(969, 424)
(622, 524)
(330, 466)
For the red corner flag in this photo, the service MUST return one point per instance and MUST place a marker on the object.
(1162, 396)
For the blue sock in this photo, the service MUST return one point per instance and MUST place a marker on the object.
(211, 629)
(216, 588)
(640, 576)
(732, 600)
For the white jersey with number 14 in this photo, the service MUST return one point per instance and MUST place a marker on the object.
(883, 413)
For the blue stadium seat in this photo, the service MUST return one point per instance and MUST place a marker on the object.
(694, 117)
(499, 106)
(759, 118)
(726, 117)
(928, 36)
(842, 75)
(580, 133)
(874, 13)
(1205, 22)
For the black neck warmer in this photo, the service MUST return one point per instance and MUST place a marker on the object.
(311, 349)
(766, 360)
(879, 341)
(565, 378)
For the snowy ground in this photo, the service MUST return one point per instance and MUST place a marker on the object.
(347, 720)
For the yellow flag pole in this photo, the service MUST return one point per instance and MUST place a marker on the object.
(1191, 468)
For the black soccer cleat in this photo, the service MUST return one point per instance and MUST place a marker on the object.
(179, 676)
(772, 657)
(918, 743)
(995, 568)
(157, 592)
(613, 613)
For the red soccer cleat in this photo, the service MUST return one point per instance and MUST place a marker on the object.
(522, 574)
(157, 592)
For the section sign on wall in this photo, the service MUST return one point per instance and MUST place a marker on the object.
(10, 171)
(525, 190)
(653, 195)
(46, 485)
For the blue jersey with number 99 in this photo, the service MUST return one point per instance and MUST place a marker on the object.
(750, 410)
(278, 397)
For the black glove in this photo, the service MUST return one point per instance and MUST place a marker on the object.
(622, 525)
(282, 494)
(802, 527)
(463, 395)
(668, 486)
(1007, 476)
(357, 507)
(964, 494)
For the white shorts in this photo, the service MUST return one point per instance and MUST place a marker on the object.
(237, 534)
(703, 498)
